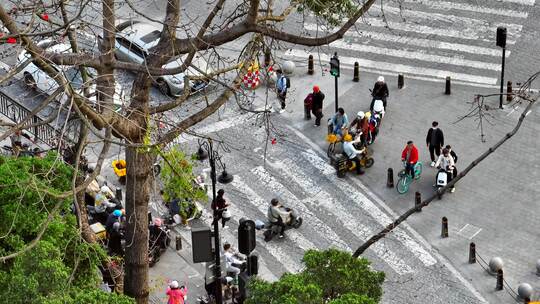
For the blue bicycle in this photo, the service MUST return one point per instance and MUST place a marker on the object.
(406, 179)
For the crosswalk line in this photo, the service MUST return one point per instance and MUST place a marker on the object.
(290, 170)
(366, 204)
(273, 185)
(399, 68)
(226, 123)
(420, 42)
(262, 205)
(416, 55)
(479, 32)
(443, 5)
(284, 258)
(522, 2)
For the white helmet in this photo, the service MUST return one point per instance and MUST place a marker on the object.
(104, 189)
(174, 284)
(360, 115)
(378, 106)
(380, 79)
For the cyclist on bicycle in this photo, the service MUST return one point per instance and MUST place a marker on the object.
(339, 121)
(410, 157)
(352, 153)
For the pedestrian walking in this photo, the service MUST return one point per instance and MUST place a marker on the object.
(434, 141)
(221, 205)
(380, 92)
(318, 98)
(177, 295)
(115, 241)
(455, 157)
(281, 86)
(308, 104)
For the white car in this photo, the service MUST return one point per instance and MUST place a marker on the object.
(36, 78)
(132, 44)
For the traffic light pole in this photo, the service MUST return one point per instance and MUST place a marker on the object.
(502, 78)
(336, 89)
(217, 266)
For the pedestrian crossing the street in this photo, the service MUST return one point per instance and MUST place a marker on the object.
(428, 40)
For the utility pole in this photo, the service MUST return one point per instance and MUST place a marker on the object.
(501, 41)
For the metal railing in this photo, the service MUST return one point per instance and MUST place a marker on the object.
(44, 132)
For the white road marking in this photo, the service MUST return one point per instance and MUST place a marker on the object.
(262, 205)
(522, 2)
(421, 42)
(479, 31)
(398, 68)
(226, 123)
(291, 200)
(443, 5)
(289, 169)
(405, 225)
(416, 55)
(275, 250)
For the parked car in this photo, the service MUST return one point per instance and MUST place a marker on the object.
(134, 39)
(36, 78)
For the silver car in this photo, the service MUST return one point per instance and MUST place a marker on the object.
(134, 40)
(35, 78)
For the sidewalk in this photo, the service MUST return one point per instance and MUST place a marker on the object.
(491, 206)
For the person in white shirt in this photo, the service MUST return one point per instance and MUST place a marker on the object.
(234, 264)
(351, 152)
(446, 162)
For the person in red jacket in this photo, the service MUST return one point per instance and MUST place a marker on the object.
(177, 295)
(410, 157)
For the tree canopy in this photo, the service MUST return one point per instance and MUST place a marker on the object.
(330, 276)
(61, 267)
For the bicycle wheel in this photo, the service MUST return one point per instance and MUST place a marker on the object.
(331, 150)
(368, 162)
(401, 173)
(403, 185)
(417, 170)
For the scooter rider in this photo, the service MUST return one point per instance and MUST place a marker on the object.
(360, 126)
(446, 162)
(339, 121)
(275, 215)
(352, 153)
(380, 91)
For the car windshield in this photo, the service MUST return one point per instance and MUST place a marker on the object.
(154, 35)
(73, 75)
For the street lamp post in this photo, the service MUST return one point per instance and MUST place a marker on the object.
(206, 150)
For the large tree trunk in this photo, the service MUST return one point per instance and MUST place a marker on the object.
(139, 178)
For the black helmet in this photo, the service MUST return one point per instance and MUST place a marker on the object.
(274, 201)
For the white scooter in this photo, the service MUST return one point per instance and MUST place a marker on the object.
(441, 181)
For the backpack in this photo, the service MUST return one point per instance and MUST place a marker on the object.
(308, 101)
(288, 82)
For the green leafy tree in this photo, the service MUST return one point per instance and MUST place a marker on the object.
(330, 276)
(178, 181)
(44, 258)
(333, 11)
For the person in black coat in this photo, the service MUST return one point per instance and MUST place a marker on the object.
(434, 141)
(317, 105)
(115, 241)
(380, 91)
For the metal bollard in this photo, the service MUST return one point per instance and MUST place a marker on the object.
(509, 94)
(418, 201)
(447, 87)
(400, 81)
(310, 65)
(178, 242)
(499, 285)
(390, 178)
(267, 57)
(444, 230)
(356, 74)
(472, 253)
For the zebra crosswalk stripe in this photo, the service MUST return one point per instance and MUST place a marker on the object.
(289, 169)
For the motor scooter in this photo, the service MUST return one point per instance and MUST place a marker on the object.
(441, 181)
(158, 241)
(293, 220)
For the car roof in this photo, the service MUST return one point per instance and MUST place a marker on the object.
(145, 35)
